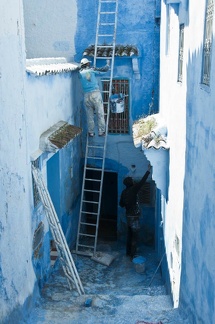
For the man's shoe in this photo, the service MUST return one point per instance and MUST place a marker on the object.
(102, 134)
(91, 134)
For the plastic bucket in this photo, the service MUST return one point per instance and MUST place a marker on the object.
(117, 104)
(139, 264)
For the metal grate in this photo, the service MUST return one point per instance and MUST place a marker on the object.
(37, 200)
(181, 53)
(38, 239)
(118, 121)
(144, 194)
(208, 36)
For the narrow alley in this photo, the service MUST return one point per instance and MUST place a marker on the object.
(114, 294)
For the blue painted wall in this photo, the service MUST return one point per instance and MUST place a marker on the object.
(39, 103)
(198, 263)
(189, 111)
(138, 24)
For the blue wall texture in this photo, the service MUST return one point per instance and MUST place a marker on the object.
(198, 271)
(137, 25)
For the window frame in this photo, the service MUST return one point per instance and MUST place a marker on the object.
(180, 53)
(36, 197)
(119, 123)
(207, 44)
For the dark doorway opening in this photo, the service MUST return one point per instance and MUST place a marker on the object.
(108, 211)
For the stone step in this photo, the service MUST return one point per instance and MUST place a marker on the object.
(108, 309)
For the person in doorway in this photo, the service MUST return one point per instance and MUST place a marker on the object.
(92, 95)
(129, 201)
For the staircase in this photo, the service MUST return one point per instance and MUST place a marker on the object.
(117, 293)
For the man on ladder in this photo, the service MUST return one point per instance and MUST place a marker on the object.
(92, 95)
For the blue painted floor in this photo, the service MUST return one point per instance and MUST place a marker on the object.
(114, 294)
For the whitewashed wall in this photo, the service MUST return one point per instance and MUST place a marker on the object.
(29, 105)
(188, 108)
(50, 28)
(173, 109)
(17, 275)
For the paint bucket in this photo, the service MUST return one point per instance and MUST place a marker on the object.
(139, 264)
(117, 103)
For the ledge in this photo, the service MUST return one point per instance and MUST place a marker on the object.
(47, 66)
(58, 136)
(150, 133)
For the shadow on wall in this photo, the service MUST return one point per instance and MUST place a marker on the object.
(182, 6)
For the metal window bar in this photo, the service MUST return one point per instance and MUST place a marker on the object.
(206, 64)
(118, 122)
(181, 53)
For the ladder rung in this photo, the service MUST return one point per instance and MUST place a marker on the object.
(90, 202)
(94, 158)
(105, 80)
(95, 191)
(105, 46)
(105, 57)
(69, 275)
(52, 225)
(88, 246)
(107, 35)
(58, 243)
(94, 169)
(96, 180)
(107, 24)
(86, 212)
(108, 12)
(96, 146)
(89, 235)
(90, 224)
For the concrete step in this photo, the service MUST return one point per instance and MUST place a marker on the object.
(105, 309)
(114, 294)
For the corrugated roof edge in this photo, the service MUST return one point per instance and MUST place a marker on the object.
(50, 65)
(150, 132)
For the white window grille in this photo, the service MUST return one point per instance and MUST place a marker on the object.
(118, 121)
(208, 36)
(181, 53)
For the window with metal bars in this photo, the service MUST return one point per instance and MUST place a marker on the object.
(146, 194)
(208, 36)
(118, 119)
(181, 53)
(36, 163)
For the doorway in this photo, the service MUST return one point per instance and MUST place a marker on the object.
(108, 211)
